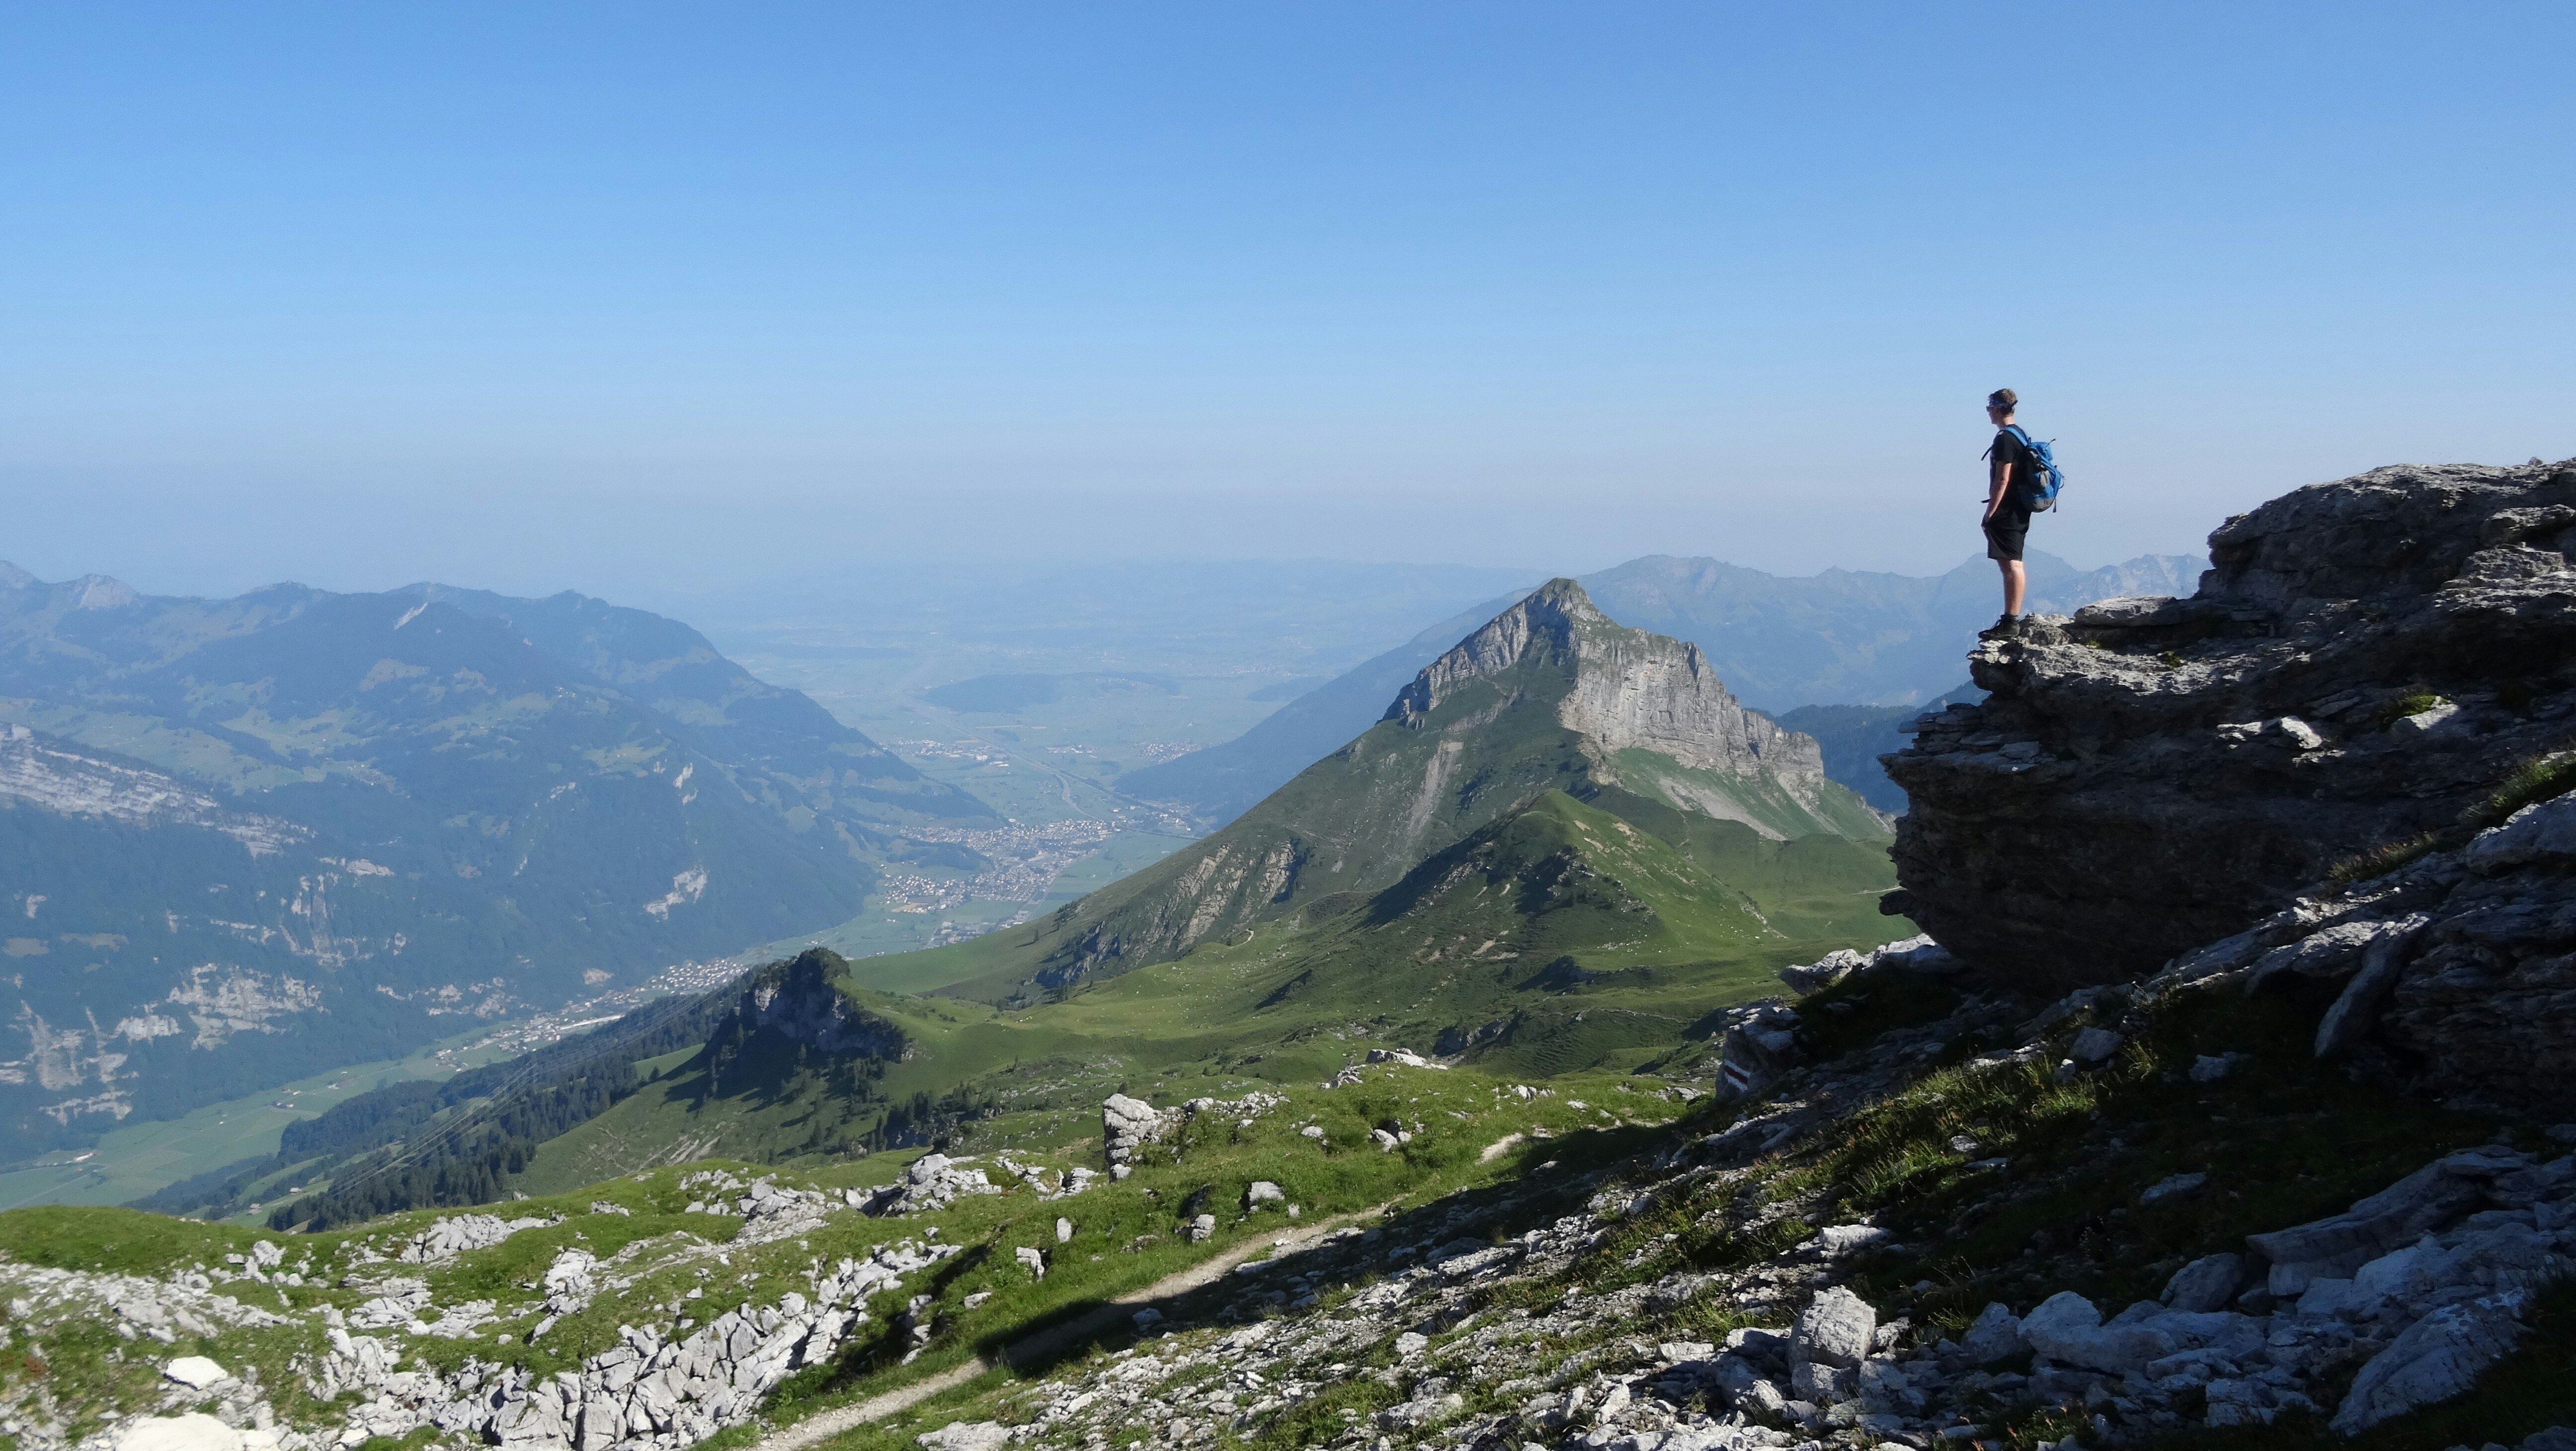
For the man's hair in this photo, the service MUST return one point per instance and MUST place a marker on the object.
(2003, 399)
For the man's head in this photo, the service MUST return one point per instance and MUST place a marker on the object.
(2000, 404)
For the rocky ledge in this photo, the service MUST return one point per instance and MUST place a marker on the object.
(2366, 660)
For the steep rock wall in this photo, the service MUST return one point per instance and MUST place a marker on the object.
(2365, 660)
(1627, 690)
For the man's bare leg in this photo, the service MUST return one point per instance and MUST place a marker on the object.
(2014, 579)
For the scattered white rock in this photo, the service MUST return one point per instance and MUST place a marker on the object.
(196, 1372)
(2095, 1045)
(195, 1431)
(2173, 1186)
(966, 1436)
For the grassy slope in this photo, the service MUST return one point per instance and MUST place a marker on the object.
(2064, 1214)
(1125, 1238)
(1575, 936)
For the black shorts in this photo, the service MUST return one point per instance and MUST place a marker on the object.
(2005, 533)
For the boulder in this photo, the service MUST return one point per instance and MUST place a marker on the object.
(1994, 1335)
(1262, 1191)
(2207, 1283)
(1916, 954)
(1756, 1051)
(2543, 831)
(1824, 972)
(2067, 1327)
(2094, 1045)
(1837, 1240)
(1834, 1330)
(196, 1372)
(1128, 1124)
(2437, 1358)
(1826, 1385)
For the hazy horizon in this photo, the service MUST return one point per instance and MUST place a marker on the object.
(577, 298)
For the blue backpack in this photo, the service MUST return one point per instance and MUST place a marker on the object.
(2039, 488)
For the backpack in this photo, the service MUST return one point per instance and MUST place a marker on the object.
(2042, 480)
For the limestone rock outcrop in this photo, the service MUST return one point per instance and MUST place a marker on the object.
(2458, 969)
(797, 1000)
(2366, 660)
(1629, 690)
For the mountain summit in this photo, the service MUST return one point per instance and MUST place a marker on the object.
(1635, 691)
(1549, 695)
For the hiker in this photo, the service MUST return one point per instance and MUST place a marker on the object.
(2008, 499)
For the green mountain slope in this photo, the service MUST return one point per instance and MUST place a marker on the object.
(1549, 695)
(1562, 937)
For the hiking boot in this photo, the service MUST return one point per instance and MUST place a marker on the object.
(2007, 627)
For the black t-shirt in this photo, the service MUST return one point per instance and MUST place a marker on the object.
(2017, 470)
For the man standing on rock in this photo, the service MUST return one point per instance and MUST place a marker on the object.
(2007, 508)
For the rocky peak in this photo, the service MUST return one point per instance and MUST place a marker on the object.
(1545, 629)
(2366, 660)
(1628, 689)
(798, 999)
(99, 592)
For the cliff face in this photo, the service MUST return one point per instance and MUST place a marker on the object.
(2366, 660)
(1626, 690)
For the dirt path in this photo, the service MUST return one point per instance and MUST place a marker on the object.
(1046, 1342)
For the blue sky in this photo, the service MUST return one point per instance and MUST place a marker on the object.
(535, 297)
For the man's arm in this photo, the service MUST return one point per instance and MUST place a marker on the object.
(1999, 476)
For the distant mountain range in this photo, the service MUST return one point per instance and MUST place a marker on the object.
(1563, 842)
(246, 840)
(1843, 637)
